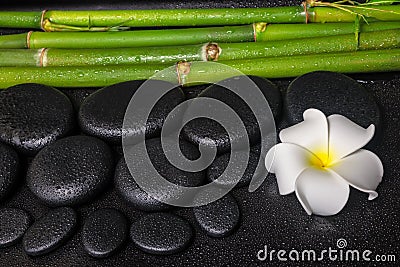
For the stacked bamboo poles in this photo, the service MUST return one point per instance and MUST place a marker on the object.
(91, 48)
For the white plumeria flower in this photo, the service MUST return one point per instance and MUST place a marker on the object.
(320, 157)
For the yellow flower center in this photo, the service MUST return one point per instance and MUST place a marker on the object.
(322, 159)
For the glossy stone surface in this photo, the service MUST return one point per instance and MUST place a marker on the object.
(130, 190)
(71, 171)
(50, 232)
(332, 93)
(102, 113)
(216, 169)
(9, 169)
(202, 131)
(13, 224)
(219, 218)
(104, 232)
(33, 116)
(161, 233)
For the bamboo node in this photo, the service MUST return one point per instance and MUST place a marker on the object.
(212, 52)
(182, 69)
(43, 57)
(28, 39)
(259, 27)
(43, 21)
(306, 14)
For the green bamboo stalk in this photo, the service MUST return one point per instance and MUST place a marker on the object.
(189, 73)
(204, 52)
(307, 46)
(273, 32)
(169, 37)
(101, 20)
(137, 38)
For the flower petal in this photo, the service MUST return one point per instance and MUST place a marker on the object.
(362, 170)
(311, 134)
(321, 192)
(287, 161)
(346, 137)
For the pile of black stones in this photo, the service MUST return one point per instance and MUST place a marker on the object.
(61, 149)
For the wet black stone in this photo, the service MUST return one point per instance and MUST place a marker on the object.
(194, 91)
(137, 197)
(13, 224)
(219, 218)
(102, 113)
(104, 232)
(71, 171)
(332, 93)
(50, 232)
(203, 130)
(9, 166)
(161, 233)
(33, 116)
(219, 165)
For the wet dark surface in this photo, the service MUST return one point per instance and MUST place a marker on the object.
(9, 168)
(50, 231)
(266, 217)
(104, 232)
(161, 233)
(37, 114)
(206, 132)
(219, 218)
(13, 224)
(130, 190)
(71, 171)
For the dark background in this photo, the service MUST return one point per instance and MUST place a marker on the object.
(267, 218)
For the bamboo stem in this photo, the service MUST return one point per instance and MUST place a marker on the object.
(101, 20)
(204, 52)
(171, 37)
(274, 32)
(308, 46)
(137, 38)
(278, 67)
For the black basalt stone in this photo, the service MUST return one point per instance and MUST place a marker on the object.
(9, 165)
(219, 165)
(71, 171)
(102, 113)
(50, 231)
(13, 224)
(33, 116)
(332, 93)
(204, 131)
(161, 233)
(219, 218)
(104, 232)
(136, 196)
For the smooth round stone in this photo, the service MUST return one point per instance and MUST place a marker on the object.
(137, 197)
(161, 233)
(216, 169)
(33, 116)
(332, 93)
(219, 218)
(50, 232)
(13, 224)
(71, 171)
(102, 113)
(201, 130)
(104, 232)
(9, 165)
